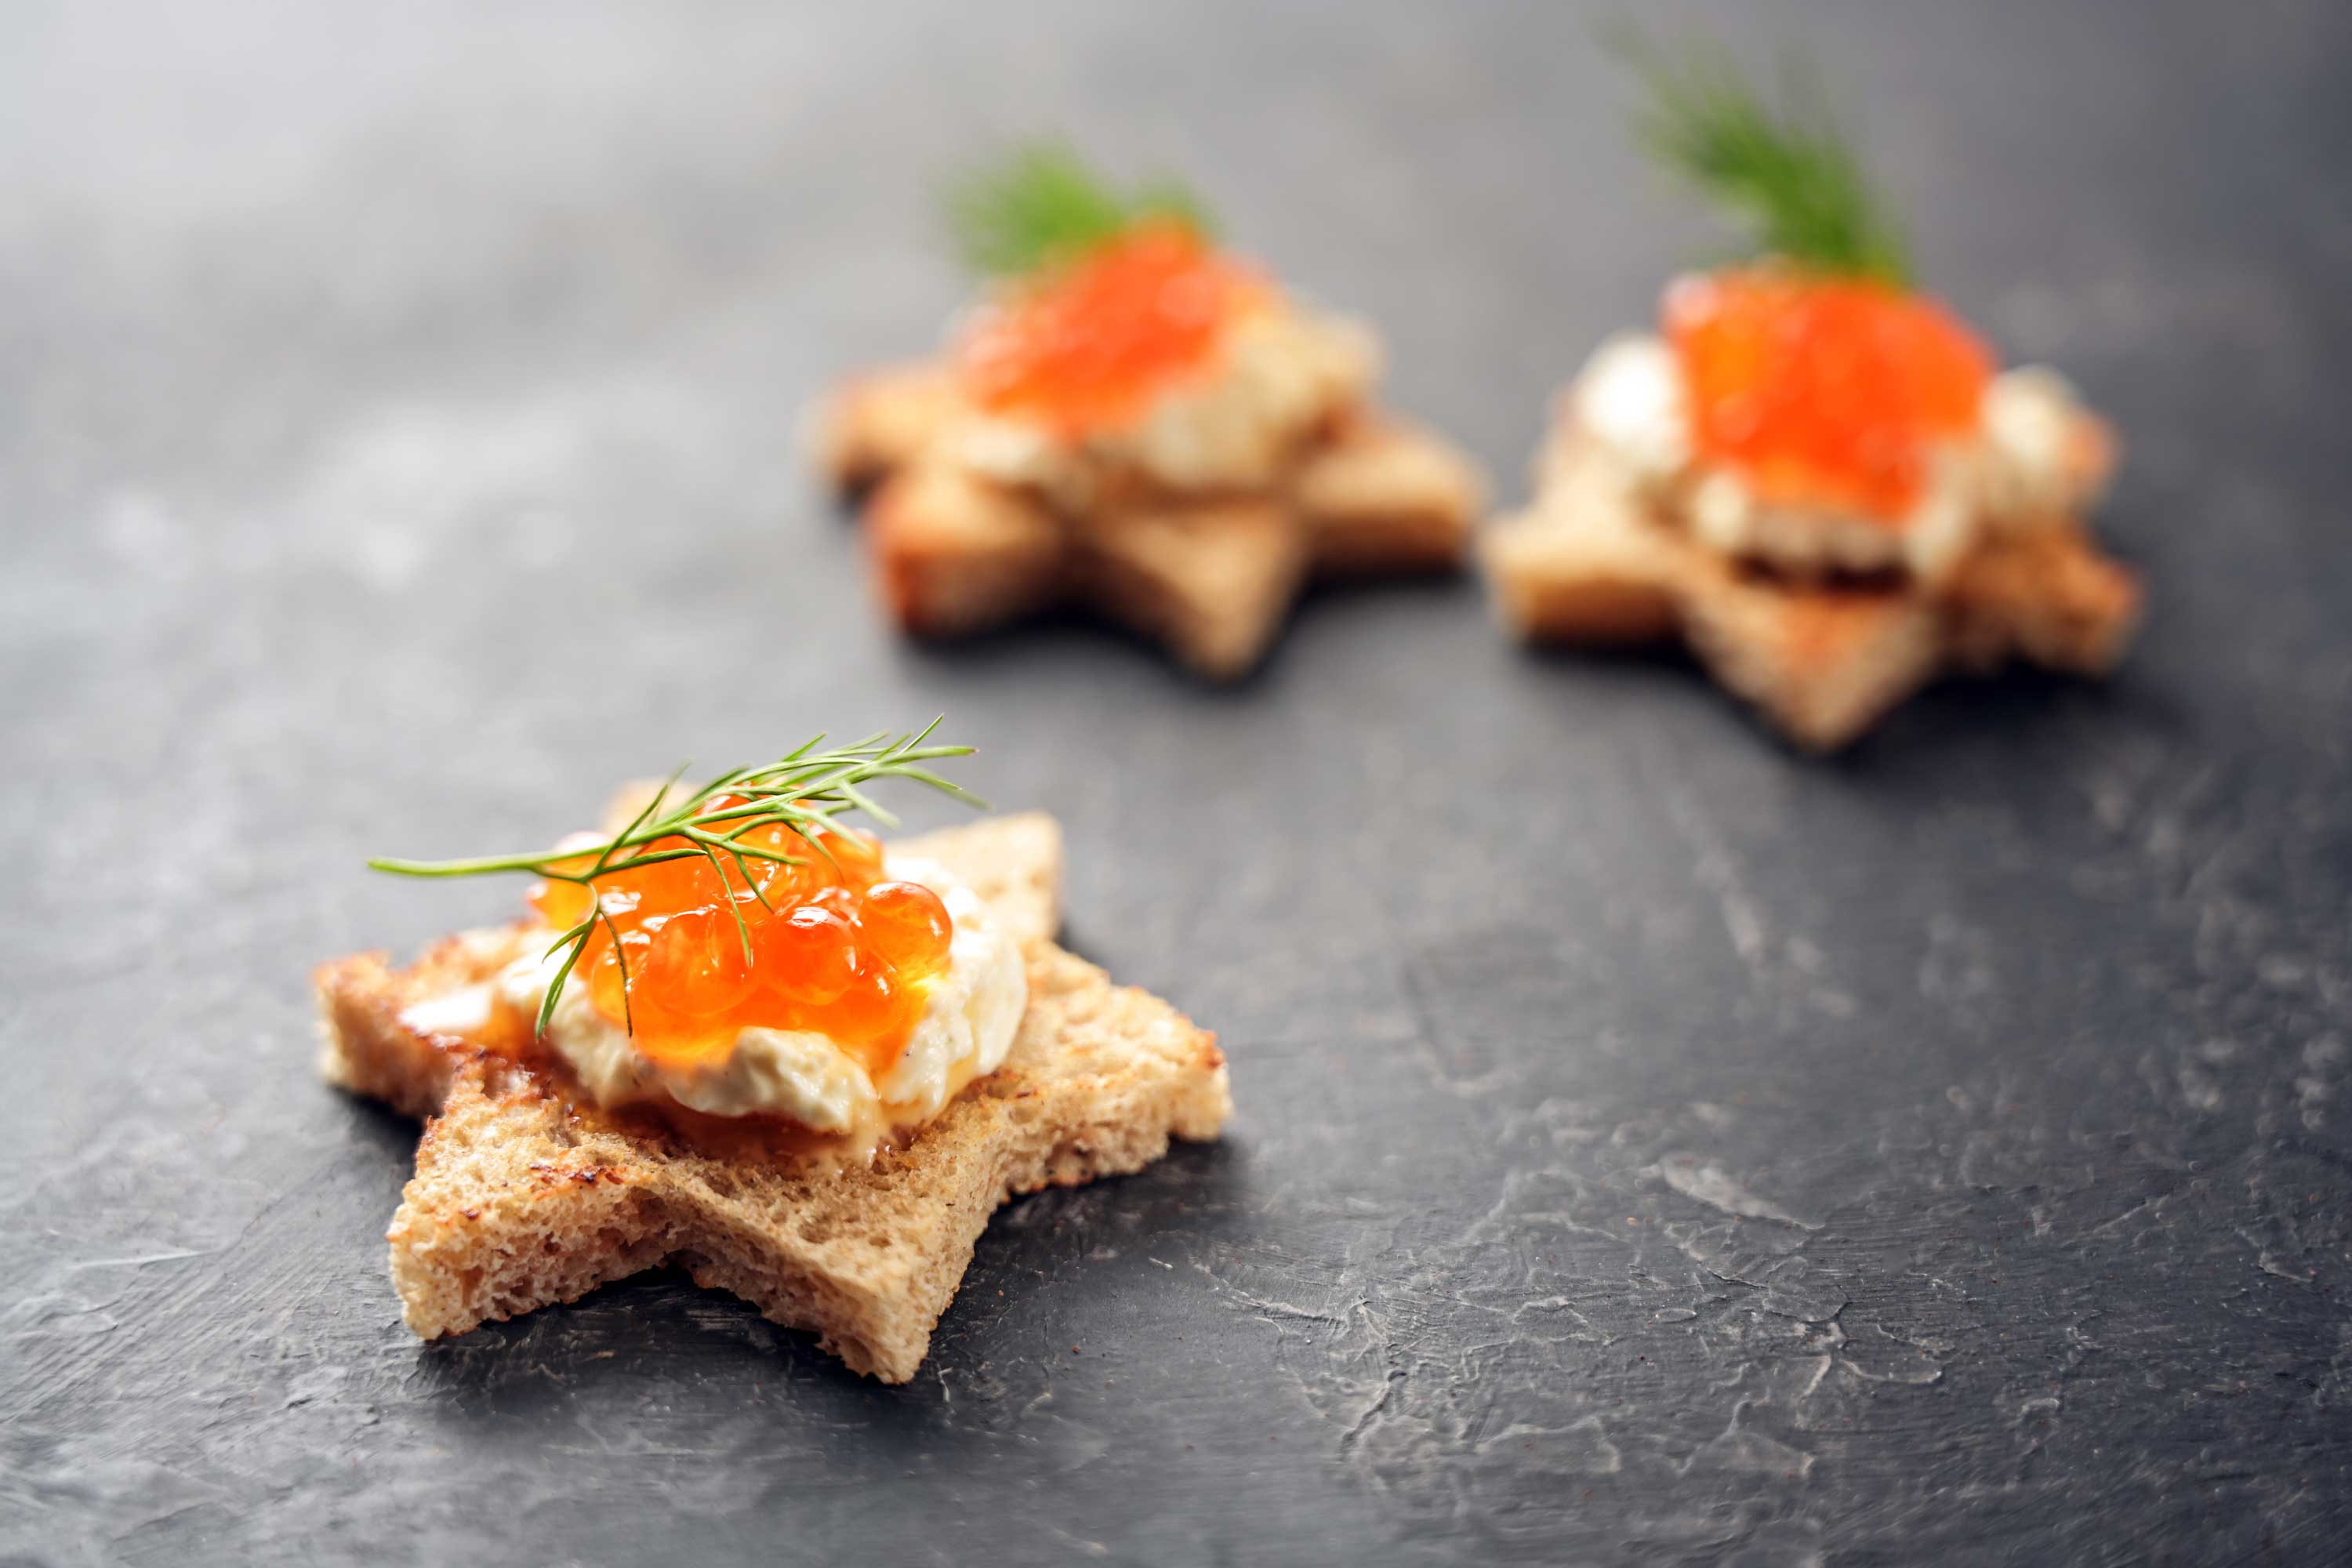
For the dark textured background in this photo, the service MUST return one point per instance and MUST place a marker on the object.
(1652, 1146)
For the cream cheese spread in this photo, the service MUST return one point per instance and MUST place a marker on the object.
(965, 1030)
(1280, 372)
(2022, 470)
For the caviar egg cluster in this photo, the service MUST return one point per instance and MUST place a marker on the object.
(1824, 392)
(835, 947)
(1088, 347)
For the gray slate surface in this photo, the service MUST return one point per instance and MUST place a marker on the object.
(1653, 1146)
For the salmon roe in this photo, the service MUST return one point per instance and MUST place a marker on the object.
(1088, 347)
(1824, 392)
(835, 947)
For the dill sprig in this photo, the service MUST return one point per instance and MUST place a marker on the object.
(1789, 176)
(1044, 206)
(806, 790)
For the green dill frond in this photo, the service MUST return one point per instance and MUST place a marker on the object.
(1044, 205)
(1788, 175)
(808, 790)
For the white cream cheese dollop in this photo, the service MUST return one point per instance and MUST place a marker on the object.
(966, 1029)
(462, 1013)
(2019, 470)
(2045, 456)
(1630, 398)
(1281, 370)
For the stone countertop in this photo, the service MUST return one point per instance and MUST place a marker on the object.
(1653, 1145)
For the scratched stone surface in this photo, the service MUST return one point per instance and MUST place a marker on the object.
(1653, 1146)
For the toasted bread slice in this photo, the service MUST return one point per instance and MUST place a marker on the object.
(1584, 564)
(523, 1197)
(1210, 579)
(877, 423)
(953, 554)
(1210, 574)
(1826, 662)
(1823, 660)
(1384, 495)
(2048, 596)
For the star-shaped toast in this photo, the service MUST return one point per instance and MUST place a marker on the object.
(1133, 421)
(1211, 575)
(1591, 563)
(1813, 473)
(525, 1194)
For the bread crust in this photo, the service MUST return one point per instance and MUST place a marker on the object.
(525, 1195)
(879, 422)
(1823, 660)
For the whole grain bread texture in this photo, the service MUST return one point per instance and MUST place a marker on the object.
(523, 1197)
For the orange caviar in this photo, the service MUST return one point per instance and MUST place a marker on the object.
(835, 947)
(1826, 391)
(1088, 347)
